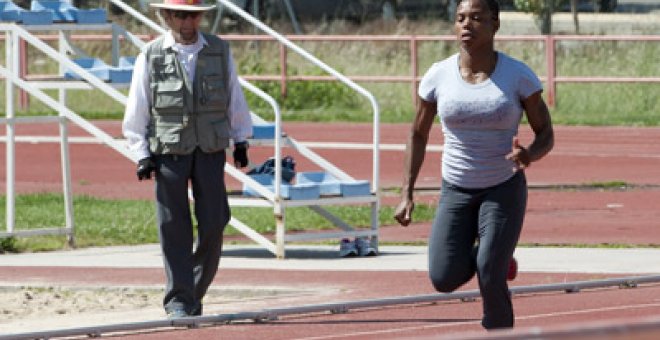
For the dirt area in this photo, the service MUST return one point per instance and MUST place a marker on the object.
(36, 302)
(40, 307)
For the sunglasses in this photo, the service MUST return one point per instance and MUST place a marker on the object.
(185, 14)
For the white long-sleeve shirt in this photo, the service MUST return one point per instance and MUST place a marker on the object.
(136, 116)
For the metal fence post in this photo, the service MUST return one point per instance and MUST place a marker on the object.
(551, 69)
(283, 70)
(24, 99)
(414, 68)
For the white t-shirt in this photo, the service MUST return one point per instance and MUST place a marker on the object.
(480, 120)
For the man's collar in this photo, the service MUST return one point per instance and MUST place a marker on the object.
(169, 39)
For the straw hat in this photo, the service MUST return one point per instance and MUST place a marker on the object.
(184, 5)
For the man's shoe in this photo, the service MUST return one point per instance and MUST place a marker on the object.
(197, 311)
(176, 313)
(364, 247)
(347, 248)
(513, 270)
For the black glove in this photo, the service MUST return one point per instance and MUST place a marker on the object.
(144, 168)
(240, 154)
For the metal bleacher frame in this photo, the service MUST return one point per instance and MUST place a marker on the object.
(273, 199)
(14, 34)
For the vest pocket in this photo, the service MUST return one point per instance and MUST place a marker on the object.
(214, 93)
(212, 132)
(166, 138)
(222, 133)
(169, 95)
(221, 129)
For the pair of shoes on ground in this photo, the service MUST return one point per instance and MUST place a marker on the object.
(360, 247)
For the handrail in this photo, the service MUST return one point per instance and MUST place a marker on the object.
(34, 41)
(51, 52)
(413, 77)
(278, 142)
(283, 40)
(141, 17)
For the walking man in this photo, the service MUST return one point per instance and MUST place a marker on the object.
(184, 106)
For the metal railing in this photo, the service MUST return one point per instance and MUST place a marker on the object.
(15, 35)
(551, 78)
(334, 74)
(413, 77)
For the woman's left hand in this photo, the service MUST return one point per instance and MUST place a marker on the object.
(518, 155)
(538, 117)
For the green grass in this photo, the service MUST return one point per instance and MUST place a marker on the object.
(103, 222)
(97, 222)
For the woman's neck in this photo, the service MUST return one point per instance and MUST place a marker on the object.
(477, 66)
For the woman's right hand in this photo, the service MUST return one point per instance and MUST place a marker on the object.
(403, 212)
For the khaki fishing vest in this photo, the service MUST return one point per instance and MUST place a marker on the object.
(188, 113)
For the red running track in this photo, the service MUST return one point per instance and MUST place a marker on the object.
(582, 155)
(451, 319)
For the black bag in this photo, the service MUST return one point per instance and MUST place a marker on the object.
(268, 167)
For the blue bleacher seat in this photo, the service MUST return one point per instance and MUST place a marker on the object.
(90, 16)
(37, 17)
(355, 188)
(123, 73)
(263, 131)
(263, 179)
(329, 184)
(64, 12)
(120, 74)
(301, 191)
(127, 62)
(93, 65)
(60, 10)
(9, 11)
(305, 191)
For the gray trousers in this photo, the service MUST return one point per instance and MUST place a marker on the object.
(476, 230)
(190, 271)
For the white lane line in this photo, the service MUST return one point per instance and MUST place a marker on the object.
(315, 145)
(366, 146)
(349, 146)
(476, 322)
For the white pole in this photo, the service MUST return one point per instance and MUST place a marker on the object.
(115, 45)
(11, 49)
(64, 154)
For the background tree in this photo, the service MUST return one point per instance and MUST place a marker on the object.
(543, 9)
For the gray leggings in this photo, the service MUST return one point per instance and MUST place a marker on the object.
(476, 230)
